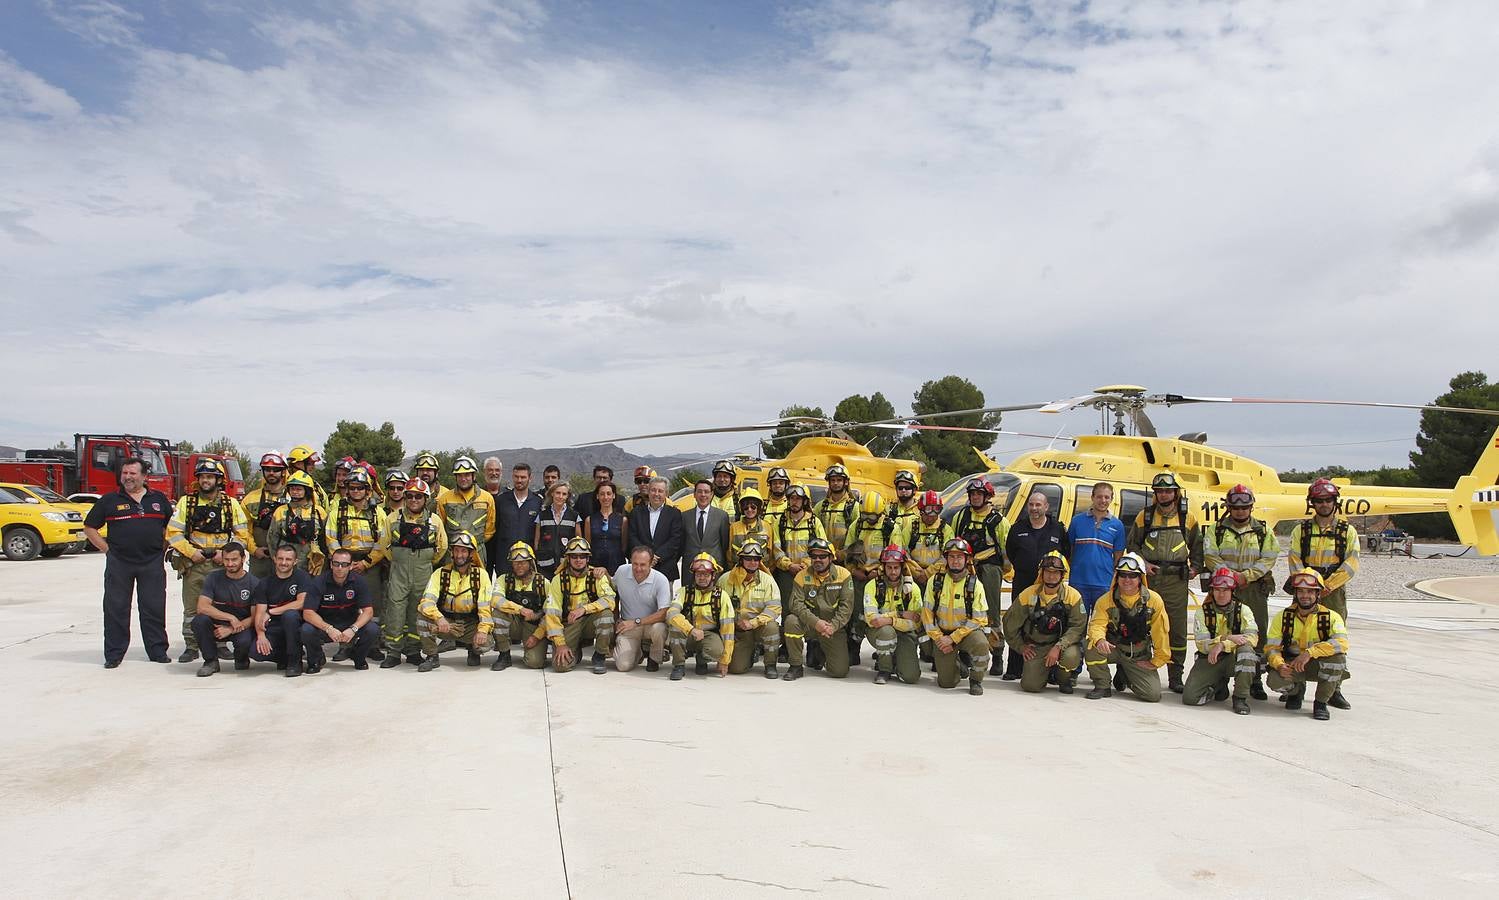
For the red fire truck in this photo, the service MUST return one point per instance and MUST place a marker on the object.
(90, 467)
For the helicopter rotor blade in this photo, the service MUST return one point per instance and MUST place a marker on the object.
(1143, 426)
(726, 429)
(916, 427)
(1174, 399)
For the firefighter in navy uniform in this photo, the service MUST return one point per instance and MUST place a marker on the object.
(299, 523)
(340, 610)
(519, 598)
(1227, 633)
(1045, 625)
(1327, 544)
(204, 520)
(1129, 629)
(261, 505)
(1166, 536)
(953, 614)
(137, 520)
(418, 543)
(892, 618)
(455, 605)
(983, 526)
(1308, 642)
(358, 524)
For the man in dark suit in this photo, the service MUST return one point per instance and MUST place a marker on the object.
(658, 526)
(705, 527)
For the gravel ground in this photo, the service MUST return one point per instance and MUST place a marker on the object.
(1386, 577)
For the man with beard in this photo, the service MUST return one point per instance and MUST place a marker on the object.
(702, 621)
(1247, 547)
(260, 506)
(418, 542)
(203, 522)
(1044, 627)
(455, 605)
(518, 597)
(580, 604)
(822, 602)
(466, 507)
(340, 610)
(1307, 642)
(226, 610)
(892, 617)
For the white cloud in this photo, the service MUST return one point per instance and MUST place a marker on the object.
(422, 201)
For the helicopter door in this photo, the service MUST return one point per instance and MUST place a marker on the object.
(1130, 504)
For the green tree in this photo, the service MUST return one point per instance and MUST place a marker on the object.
(780, 444)
(951, 450)
(221, 446)
(1449, 444)
(380, 447)
(185, 447)
(685, 478)
(858, 408)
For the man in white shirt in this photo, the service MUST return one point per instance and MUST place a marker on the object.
(644, 595)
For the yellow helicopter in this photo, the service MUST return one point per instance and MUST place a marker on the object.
(1129, 462)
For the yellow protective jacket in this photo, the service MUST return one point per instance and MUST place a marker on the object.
(829, 597)
(1251, 552)
(729, 502)
(508, 597)
(365, 534)
(711, 611)
(1032, 603)
(884, 599)
(1320, 633)
(436, 535)
(1166, 538)
(260, 508)
(837, 520)
(903, 519)
(594, 593)
(756, 602)
(924, 548)
(471, 511)
(946, 608)
(196, 524)
(773, 507)
(789, 540)
(1108, 607)
(1313, 547)
(454, 594)
(739, 532)
(861, 552)
(1222, 625)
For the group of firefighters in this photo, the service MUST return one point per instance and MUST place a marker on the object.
(799, 583)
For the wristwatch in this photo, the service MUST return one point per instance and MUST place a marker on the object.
(637, 620)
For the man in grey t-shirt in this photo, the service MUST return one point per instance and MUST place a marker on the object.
(644, 595)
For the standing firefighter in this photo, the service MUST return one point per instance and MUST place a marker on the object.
(418, 542)
(869, 537)
(580, 605)
(299, 523)
(455, 605)
(1247, 547)
(726, 488)
(751, 525)
(204, 520)
(1327, 544)
(1166, 536)
(467, 507)
(260, 506)
(304, 459)
(757, 610)
(519, 597)
(702, 621)
(1226, 636)
(982, 525)
(1045, 625)
(1128, 629)
(794, 529)
(892, 617)
(925, 539)
(1307, 643)
(954, 614)
(838, 509)
(822, 602)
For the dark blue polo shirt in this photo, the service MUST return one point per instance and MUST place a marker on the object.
(137, 531)
(231, 595)
(272, 592)
(339, 604)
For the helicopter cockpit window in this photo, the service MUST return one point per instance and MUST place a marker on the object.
(1130, 504)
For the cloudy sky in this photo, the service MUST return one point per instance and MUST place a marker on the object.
(505, 223)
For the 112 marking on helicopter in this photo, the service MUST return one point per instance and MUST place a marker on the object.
(1129, 462)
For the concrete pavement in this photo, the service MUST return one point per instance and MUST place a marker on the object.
(146, 779)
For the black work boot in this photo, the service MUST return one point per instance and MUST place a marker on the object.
(770, 667)
(474, 658)
(241, 661)
(976, 687)
(997, 663)
(880, 677)
(814, 655)
(188, 655)
(225, 653)
(651, 665)
(701, 666)
(598, 664)
(1319, 711)
(1119, 683)
(293, 669)
(1293, 699)
(1257, 689)
(792, 673)
(208, 668)
(1338, 700)
(677, 672)
(1099, 692)
(429, 663)
(1174, 677)
(375, 654)
(1064, 684)
(343, 653)
(390, 661)
(1241, 706)
(501, 662)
